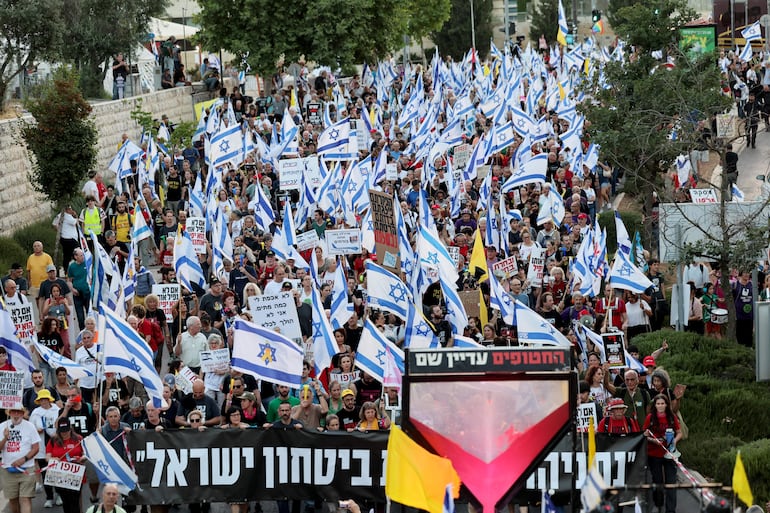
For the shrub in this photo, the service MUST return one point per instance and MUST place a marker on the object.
(632, 221)
(11, 252)
(756, 460)
(42, 231)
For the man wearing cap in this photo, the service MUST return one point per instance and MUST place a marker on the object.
(349, 415)
(19, 445)
(617, 423)
(43, 417)
(633, 396)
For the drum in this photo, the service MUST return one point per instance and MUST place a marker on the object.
(719, 316)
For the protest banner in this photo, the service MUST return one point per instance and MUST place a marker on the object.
(585, 412)
(196, 228)
(185, 378)
(290, 173)
(362, 136)
(64, 474)
(23, 320)
(536, 267)
(343, 242)
(215, 360)
(345, 379)
(385, 232)
(505, 268)
(703, 196)
(454, 252)
(11, 389)
(307, 240)
(613, 348)
(276, 312)
(314, 113)
(168, 295)
(312, 170)
(391, 172)
(462, 154)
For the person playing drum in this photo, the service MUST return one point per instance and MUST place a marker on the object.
(714, 316)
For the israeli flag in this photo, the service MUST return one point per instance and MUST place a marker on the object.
(227, 146)
(387, 291)
(334, 139)
(746, 53)
(324, 344)
(188, 268)
(419, 333)
(342, 309)
(140, 230)
(532, 171)
(266, 354)
(752, 32)
(109, 466)
(18, 354)
(372, 351)
(625, 275)
(533, 329)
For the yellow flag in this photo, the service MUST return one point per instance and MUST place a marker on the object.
(293, 99)
(591, 442)
(478, 258)
(415, 477)
(562, 93)
(483, 313)
(741, 482)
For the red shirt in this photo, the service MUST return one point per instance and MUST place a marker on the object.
(654, 449)
(71, 448)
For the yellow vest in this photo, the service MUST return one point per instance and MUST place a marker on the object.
(92, 221)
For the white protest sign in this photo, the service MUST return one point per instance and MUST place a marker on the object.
(11, 389)
(168, 295)
(343, 242)
(185, 378)
(391, 172)
(65, 474)
(215, 360)
(536, 267)
(312, 170)
(507, 267)
(362, 136)
(290, 173)
(276, 312)
(701, 196)
(307, 240)
(462, 155)
(584, 413)
(24, 323)
(196, 228)
(454, 252)
(345, 379)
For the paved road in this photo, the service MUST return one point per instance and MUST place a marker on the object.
(753, 162)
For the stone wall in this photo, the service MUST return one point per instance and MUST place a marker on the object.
(21, 206)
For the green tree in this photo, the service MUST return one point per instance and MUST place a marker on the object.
(29, 30)
(427, 16)
(97, 30)
(62, 140)
(353, 31)
(545, 17)
(455, 37)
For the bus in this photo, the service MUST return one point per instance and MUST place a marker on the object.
(743, 18)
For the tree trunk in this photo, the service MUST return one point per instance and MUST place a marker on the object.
(3, 89)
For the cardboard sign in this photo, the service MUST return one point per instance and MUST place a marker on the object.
(470, 301)
(215, 360)
(343, 242)
(701, 196)
(11, 389)
(727, 126)
(185, 378)
(507, 267)
(276, 312)
(23, 320)
(196, 227)
(536, 267)
(290, 174)
(168, 295)
(65, 474)
(385, 232)
(585, 412)
(613, 348)
(307, 240)
(462, 155)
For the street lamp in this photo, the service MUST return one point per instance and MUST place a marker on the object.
(473, 29)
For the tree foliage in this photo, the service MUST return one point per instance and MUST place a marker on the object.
(30, 30)
(329, 32)
(455, 37)
(62, 141)
(545, 19)
(96, 30)
(427, 16)
(652, 25)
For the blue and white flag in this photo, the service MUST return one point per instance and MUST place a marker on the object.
(18, 354)
(264, 215)
(418, 333)
(324, 344)
(188, 268)
(463, 342)
(140, 230)
(746, 53)
(334, 139)
(531, 171)
(129, 274)
(633, 363)
(585, 335)
(752, 32)
(342, 309)
(104, 271)
(372, 351)
(109, 466)
(592, 493)
(127, 354)
(547, 505)
(433, 253)
(227, 146)
(449, 502)
(221, 246)
(624, 240)
(737, 194)
(625, 275)
(501, 300)
(54, 359)
(533, 329)
(455, 311)
(386, 291)
(267, 355)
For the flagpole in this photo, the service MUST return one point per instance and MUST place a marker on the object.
(101, 328)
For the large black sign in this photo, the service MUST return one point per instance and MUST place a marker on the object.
(455, 361)
(176, 467)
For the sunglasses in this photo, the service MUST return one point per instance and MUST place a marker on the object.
(194, 420)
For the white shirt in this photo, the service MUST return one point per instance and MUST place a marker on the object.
(69, 228)
(635, 312)
(20, 440)
(91, 189)
(87, 358)
(45, 420)
(273, 287)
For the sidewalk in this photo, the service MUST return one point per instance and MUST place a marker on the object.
(751, 163)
